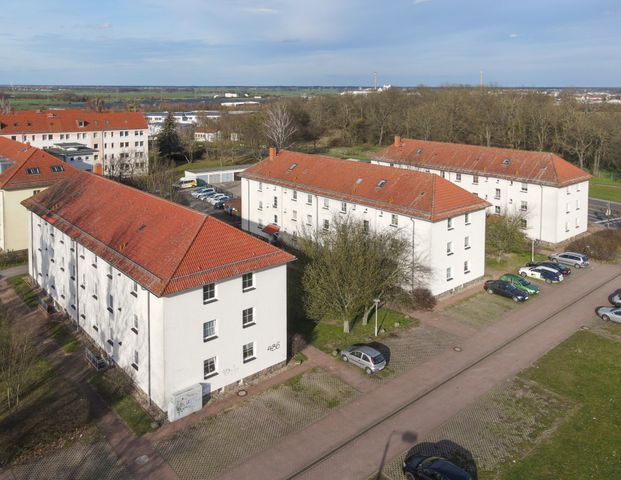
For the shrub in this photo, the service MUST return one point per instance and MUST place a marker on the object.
(602, 245)
(298, 343)
(422, 299)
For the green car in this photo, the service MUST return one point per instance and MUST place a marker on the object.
(520, 283)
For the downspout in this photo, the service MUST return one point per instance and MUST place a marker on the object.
(77, 286)
(149, 342)
(412, 259)
(316, 216)
(541, 213)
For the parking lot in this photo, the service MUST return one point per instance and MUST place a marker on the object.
(231, 189)
(602, 212)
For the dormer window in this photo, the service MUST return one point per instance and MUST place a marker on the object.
(57, 168)
(33, 171)
(81, 123)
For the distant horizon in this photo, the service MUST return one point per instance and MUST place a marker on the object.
(286, 86)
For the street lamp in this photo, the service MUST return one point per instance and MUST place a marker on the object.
(376, 302)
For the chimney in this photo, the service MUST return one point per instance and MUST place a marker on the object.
(98, 169)
(397, 141)
(272, 153)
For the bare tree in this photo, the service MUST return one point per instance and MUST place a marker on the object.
(5, 105)
(278, 124)
(17, 358)
(349, 266)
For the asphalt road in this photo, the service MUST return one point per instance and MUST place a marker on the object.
(598, 210)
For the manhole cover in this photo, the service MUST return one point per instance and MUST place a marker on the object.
(457, 349)
(142, 459)
(242, 393)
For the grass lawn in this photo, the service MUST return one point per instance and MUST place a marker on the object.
(605, 192)
(480, 309)
(64, 338)
(123, 404)
(24, 290)
(587, 370)
(330, 336)
(510, 263)
(51, 414)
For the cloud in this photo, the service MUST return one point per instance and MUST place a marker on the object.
(104, 26)
(514, 35)
(418, 2)
(260, 10)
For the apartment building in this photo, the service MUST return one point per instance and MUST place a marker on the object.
(180, 300)
(549, 193)
(24, 171)
(291, 194)
(119, 139)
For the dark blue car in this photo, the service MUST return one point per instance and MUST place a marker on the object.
(500, 287)
(416, 467)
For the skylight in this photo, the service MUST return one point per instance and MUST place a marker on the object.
(506, 161)
(359, 181)
(381, 183)
(292, 166)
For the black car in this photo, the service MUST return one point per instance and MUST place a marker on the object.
(556, 266)
(500, 287)
(416, 467)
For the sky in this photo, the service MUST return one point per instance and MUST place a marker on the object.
(569, 43)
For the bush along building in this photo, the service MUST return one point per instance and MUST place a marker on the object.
(550, 194)
(291, 194)
(181, 301)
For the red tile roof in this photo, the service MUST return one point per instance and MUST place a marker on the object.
(415, 194)
(23, 157)
(521, 165)
(59, 121)
(165, 247)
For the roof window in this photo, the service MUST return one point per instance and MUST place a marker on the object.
(359, 181)
(506, 161)
(381, 183)
(57, 168)
(292, 166)
(419, 151)
(33, 171)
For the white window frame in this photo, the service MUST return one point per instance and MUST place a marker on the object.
(214, 333)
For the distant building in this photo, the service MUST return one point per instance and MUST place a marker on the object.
(182, 119)
(77, 155)
(551, 194)
(180, 300)
(24, 171)
(207, 135)
(119, 139)
(290, 194)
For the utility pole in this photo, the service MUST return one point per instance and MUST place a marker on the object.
(481, 80)
(374, 80)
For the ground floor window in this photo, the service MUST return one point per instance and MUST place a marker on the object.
(248, 352)
(209, 367)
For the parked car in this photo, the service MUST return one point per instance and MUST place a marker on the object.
(364, 357)
(609, 313)
(541, 273)
(203, 191)
(615, 298)
(554, 266)
(418, 467)
(500, 287)
(571, 258)
(520, 283)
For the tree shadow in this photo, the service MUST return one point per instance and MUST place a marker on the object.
(450, 450)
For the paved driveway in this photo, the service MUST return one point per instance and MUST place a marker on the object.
(356, 440)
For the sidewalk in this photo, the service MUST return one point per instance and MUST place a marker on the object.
(73, 368)
(12, 271)
(383, 423)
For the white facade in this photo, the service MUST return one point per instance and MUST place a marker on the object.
(551, 214)
(160, 340)
(117, 150)
(454, 249)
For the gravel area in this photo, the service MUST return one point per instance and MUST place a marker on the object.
(501, 427)
(207, 449)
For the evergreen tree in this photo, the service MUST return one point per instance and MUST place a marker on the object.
(168, 140)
